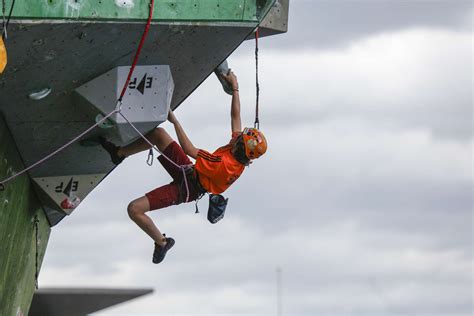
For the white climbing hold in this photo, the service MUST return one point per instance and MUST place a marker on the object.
(126, 4)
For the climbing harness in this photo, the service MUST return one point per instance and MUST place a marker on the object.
(117, 110)
(257, 122)
(192, 178)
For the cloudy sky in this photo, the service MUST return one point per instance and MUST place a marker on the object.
(364, 199)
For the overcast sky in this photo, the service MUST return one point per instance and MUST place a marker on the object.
(364, 198)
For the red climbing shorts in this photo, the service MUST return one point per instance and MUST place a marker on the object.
(169, 194)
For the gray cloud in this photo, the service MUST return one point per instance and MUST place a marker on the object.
(335, 24)
(406, 79)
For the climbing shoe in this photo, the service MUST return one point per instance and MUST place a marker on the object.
(112, 150)
(160, 251)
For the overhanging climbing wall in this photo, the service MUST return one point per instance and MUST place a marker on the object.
(19, 207)
(56, 47)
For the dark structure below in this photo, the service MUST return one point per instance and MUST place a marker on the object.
(79, 302)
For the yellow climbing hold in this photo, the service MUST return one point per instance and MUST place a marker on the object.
(3, 56)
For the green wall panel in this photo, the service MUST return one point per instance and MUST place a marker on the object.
(19, 207)
(165, 10)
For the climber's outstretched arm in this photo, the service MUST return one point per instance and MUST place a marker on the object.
(183, 139)
(236, 121)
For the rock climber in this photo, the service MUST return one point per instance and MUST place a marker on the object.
(212, 172)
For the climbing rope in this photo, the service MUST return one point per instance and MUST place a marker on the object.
(139, 49)
(2, 183)
(183, 168)
(257, 122)
(5, 21)
(10, 15)
(36, 222)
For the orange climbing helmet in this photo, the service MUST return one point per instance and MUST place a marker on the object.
(254, 142)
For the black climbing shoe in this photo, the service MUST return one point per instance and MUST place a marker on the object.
(160, 252)
(112, 150)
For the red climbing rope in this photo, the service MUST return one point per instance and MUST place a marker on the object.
(139, 49)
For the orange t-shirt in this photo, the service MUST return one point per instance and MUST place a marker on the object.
(217, 171)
